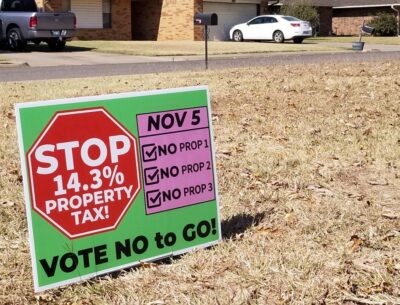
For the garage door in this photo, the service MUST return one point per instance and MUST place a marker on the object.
(89, 13)
(229, 14)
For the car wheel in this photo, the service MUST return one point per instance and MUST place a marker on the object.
(56, 44)
(237, 36)
(15, 41)
(298, 40)
(278, 37)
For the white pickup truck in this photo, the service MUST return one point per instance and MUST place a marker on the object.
(21, 22)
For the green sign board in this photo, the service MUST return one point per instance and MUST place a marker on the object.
(112, 181)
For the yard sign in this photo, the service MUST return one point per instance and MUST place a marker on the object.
(112, 181)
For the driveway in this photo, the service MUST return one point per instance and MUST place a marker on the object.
(48, 59)
(43, 58)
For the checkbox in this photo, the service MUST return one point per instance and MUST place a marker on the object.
(153, 199)
(151, 175)
(149, 152)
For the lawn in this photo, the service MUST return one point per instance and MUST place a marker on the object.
(308, 168)
(348, 39)
(178, 48)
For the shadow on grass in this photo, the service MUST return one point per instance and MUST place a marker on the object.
(230, 228)
(286, 42)
(44, 48)
(240, 223)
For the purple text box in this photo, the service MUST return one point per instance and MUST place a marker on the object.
(177, 158)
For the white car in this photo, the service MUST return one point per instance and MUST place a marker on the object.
(272, 27)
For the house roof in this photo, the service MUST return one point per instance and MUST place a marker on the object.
(314, 2)
(363, 3)
(345, 3)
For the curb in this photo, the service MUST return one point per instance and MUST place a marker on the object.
(8, 64)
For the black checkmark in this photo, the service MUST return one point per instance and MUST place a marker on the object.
(149, 152)
(152, 151)
(151, 175)
(153, 199)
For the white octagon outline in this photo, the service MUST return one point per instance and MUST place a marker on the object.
(31, 181)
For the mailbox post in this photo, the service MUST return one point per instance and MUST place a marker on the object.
(206, 20)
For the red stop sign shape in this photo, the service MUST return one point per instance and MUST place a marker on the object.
(83, 172)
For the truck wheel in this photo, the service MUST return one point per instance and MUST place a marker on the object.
(15, 41)
(2, 44)
(56, 44)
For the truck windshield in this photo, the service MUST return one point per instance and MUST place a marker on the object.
(18, 6)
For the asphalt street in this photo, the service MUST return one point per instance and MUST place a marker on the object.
(24, 73)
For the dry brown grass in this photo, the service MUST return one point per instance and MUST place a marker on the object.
(309, 169)
(368, 39)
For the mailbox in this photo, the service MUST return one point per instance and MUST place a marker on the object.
(206, 19)
(368, 29)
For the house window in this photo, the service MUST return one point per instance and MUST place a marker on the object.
(106, 14)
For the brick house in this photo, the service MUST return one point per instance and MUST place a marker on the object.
(173, 19)
(344, 17)
(348, 15)
(130, 19)
(150, 19)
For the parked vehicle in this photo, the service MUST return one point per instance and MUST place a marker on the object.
(272, 27)
(21, 22)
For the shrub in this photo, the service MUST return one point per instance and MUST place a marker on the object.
(303, 10)
(385, 24)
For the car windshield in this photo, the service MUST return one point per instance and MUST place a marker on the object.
(290, 18)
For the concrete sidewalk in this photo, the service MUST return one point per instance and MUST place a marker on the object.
(75, 58)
